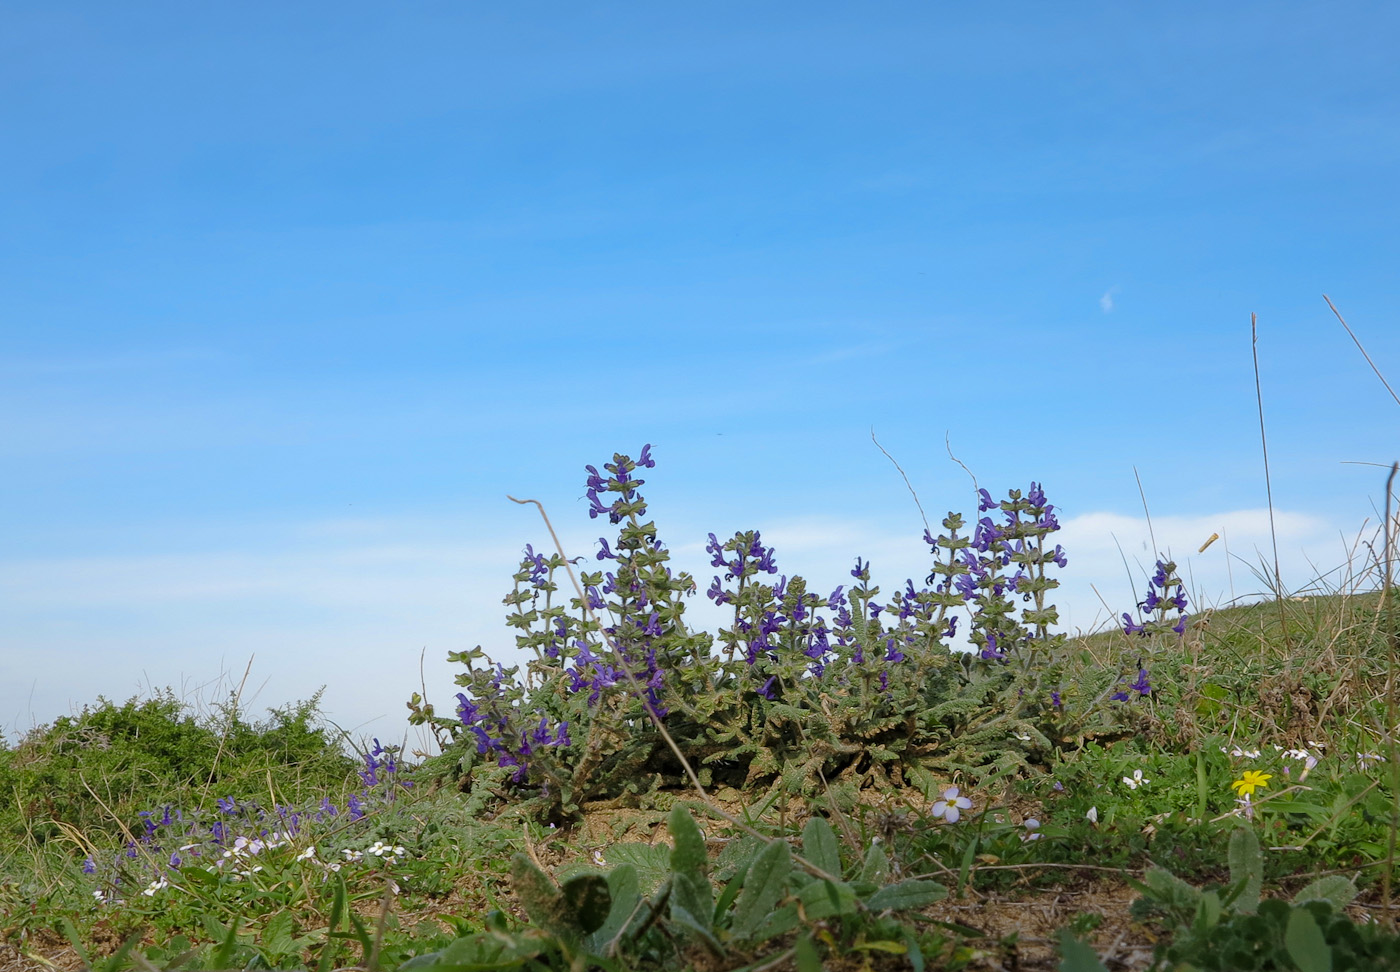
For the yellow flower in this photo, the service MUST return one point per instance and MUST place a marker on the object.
(1251, 781)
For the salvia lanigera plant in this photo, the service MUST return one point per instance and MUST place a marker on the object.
(801, 690)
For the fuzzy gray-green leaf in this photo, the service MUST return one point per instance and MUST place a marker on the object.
(1336, 890)
(1305, 943)
(1247, 865)
(906, 895)
(763, 886)
(690, 890)
(819, 846)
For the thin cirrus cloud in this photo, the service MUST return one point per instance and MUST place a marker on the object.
(1106, 303)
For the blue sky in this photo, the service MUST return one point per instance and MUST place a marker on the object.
(291, 297)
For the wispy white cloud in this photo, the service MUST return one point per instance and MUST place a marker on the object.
(1106, 301)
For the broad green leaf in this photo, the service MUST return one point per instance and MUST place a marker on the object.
(1207, 912)
(780, 922)
(876, 868)
(538, 895)
(906, 895)
(652, 861)
(482, 952)
(763, 886)
(586, 901)
(823, 899)
(819, 846)
(1336, 890)
(806, 955)
(1247, 865)
(276, 938)
(623, 888)
(690, 889)
(1305, 943)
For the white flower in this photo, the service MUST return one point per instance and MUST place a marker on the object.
(951, 806)
(1136, 780)
(307, 854)
(598, 858)
(1093, 815)
(155, 886)
(1309, 760)
(1032, 826)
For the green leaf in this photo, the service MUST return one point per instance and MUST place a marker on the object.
(277, 937)
(1336, 890)
(1305, 944)
(537, 893)
(328, 953)
(652, 861)
(731, 890)
(876, 867)
(586, 900)
(1207, 912)
(1077, 956)
(819, 846)
(763, 886)
(223, 955)
(623, 887)
(478, 953)
(71, 933)
(691, 890)
(578, 908)
(780, 922)
(1247, 866)
(906, 895)
(823, 899)
(688, 921)
(806, 954)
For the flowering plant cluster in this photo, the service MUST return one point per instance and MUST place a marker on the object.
(232, 838)
(852, 687)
